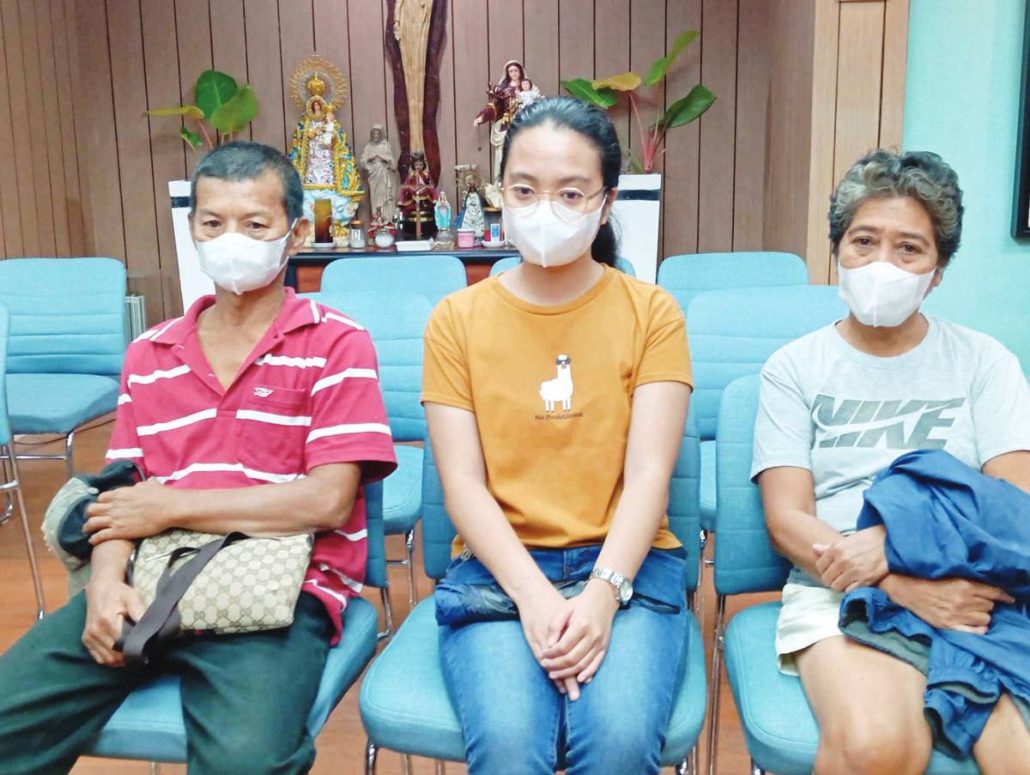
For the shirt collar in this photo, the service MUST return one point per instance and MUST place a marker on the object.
(295, 313)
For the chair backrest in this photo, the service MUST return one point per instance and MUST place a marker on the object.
(744, 558)
(687, 275)
(511, 262)
(684, 508)
(67, 314)
(432, 276)
(5, 423)
(396, 322)
(375, 568)
(733, 332)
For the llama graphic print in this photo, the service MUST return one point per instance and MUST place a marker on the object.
(558, 390)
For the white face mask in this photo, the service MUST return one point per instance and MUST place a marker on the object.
(240, 263)
(881, 294)
(547, 240)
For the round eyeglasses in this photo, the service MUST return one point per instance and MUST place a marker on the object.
(567, 204)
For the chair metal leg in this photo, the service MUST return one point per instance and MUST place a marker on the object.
(439, 767)
(693, 767)
(155, 768)
(69, 453)
(407, 766)
(755, 769)
(409, 545)
(37, 582)
(370, 757)
(698, 602)
(384, 594)
(714, 682)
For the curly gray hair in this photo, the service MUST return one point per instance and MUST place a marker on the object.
(921, 175)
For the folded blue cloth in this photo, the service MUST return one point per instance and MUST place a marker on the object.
(944, 520)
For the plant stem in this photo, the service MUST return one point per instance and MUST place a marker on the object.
(645, 140)
(207, 137)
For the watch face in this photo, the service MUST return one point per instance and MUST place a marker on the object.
(625, 591)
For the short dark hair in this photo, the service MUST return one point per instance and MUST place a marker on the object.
(921, 175)
(594, 124)
(243, 160)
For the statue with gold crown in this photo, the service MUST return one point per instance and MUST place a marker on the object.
(319, 148)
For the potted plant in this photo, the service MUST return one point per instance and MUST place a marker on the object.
(638, 207)
(220, 109)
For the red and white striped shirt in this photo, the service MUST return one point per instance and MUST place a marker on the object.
(308, 395)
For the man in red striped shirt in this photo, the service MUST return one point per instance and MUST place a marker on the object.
(256, 411)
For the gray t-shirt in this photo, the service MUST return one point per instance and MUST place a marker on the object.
(845, 415)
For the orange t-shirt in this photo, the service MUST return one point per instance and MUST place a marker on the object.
(552, 389)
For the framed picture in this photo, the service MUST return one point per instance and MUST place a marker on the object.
(1021, 201)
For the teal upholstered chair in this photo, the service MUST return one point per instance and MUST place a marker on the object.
(431, 276)
(149, 724)
(388, 283)
(10, 483)
(778, 724)
(512, 261)
(404, 703)
(396, 322)
(67, 344)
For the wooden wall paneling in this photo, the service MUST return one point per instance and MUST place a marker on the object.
(296, 41)
(82, 119)
(66, 118)
(332, 40)
(265, 72)
(52, 109)
(611, 53)
(193, 36)
(471, 76)
(826, 30)
(540, 43)
(167, 150)
(785, 204)
(858, 83)
(505, 30)
(895, 57)
(39, 111)
(96, 133)
(575, 39)
(370, 102)
(753, 42)
(681, 184)
(718, 126)
(142, 258)
(229, 44)
(446, 122)
(22, 123)
(10, 211)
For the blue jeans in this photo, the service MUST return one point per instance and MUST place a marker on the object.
(513, 718)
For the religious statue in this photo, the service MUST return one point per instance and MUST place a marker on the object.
(381, 230)
(319, 148)
(381, 169)
(417, 201)
(504, 102)
(471, 216)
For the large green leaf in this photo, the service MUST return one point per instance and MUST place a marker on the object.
(236, 113)
(192, 138)
(689, 108)
(213, 90)
(627, 81)
(584, 90)
(661, 66)
(189, 111)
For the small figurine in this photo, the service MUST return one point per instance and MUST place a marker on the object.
(472, 207)
(416, 200)
(381, 169)
(442, 212)
(381, 230)
(504, 102)
(528, 93)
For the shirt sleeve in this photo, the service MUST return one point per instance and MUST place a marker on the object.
(445, 368)
(666, 356)
(784, 433)
(1001, 408)
(348, 417)
(124, 443)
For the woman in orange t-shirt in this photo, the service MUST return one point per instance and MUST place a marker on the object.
(556, 395)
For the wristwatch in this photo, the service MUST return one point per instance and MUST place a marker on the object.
(623, 586)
